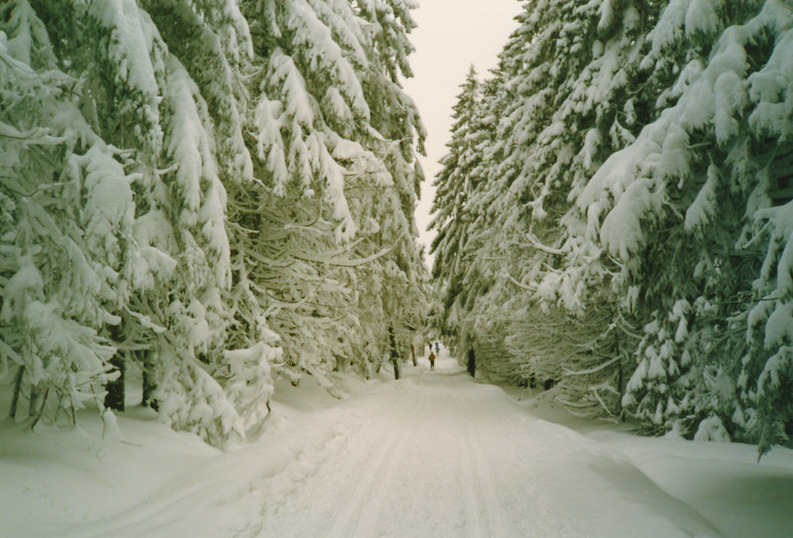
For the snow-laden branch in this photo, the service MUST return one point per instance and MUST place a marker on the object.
(267, 261)
(334, 260)
(521, 285)
(36, 136)
(342, 262)
(594, 370)
(146, 322)
(535, 243)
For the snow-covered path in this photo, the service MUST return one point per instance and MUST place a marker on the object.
(437, 454)
(434, 454)
(410, 463)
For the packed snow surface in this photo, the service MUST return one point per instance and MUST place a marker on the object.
(434, 454)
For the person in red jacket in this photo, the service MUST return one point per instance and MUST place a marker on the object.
(432, 360)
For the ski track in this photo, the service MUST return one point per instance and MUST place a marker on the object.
(360, 513)
(414, 460)
(435, 454)
(411, 460)
(493, 522)
(476, 526)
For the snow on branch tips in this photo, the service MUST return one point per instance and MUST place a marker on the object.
(202, 190)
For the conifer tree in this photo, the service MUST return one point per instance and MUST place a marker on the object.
(454, 185)
(67, 229)
(563, 101)
(707, 206)
(344, 167)
(133, 93)
(632, 227)
(206, 190)
(397, 277)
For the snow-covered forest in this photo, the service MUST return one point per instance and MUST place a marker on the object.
(218, 194)
(211, 273)
(214, 193)
(615, 214)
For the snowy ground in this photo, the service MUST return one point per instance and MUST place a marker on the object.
(434, 454)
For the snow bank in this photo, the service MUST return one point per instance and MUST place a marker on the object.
(724, 482)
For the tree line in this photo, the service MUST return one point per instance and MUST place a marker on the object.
(214, 192)
(614, 214)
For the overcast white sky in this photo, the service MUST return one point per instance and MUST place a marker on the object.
(452, 35)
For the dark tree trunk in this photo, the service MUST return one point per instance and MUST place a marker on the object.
(620, 383)
(35, 405)
(114, 399)
(471, 362)
(38, 398)
(149, 380)
(620, 373)
(394, 352)
(413, 352)
(17, 390)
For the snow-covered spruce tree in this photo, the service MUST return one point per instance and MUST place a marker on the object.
(293, 220)
(67, 230)
(566, 101)
(473, 316)
(391, 288)
(127, 89)
(454, 184)
(389, 279)
(587, 111)
(180, 207)
(168, 83)
(695, 210)
(213, 43)
(330, 170)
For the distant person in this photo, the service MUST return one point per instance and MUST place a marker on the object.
(437, 348)
(432, 361)
(471, 362)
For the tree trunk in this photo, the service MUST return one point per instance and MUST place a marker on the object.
(471, 362)
(17, 389)
(114, 399)
(34, 405)
(620, 382)
(394, 352)
(620, 373)
(38, 398)
(149, 380)
(413, 352)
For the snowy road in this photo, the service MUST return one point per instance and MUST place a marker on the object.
(433, 455)
(437, 454)
(412, 464)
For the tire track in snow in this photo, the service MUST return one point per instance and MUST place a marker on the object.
(361, 512)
